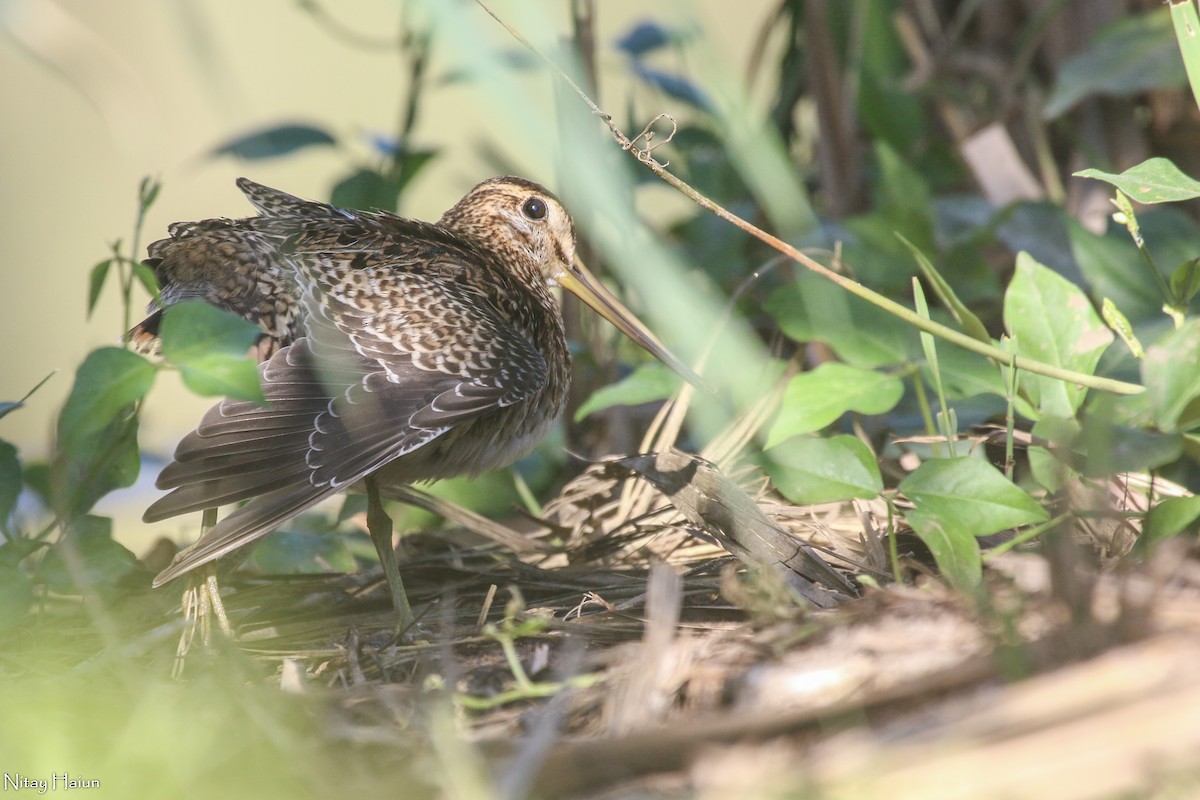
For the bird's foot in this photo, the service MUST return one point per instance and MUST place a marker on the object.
(201, 603)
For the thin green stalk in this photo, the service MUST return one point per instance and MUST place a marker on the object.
(926, 411)
(893, 547)
(1010, 420)
(147, 192)
(1025, 535)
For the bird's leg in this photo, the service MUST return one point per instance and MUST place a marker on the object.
(200, 600)
(379, 524)
(214, 596)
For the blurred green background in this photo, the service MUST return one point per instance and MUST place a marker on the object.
(98, 95)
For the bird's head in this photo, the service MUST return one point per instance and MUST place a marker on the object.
(531, 227)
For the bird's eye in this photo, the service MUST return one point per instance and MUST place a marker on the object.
(534, 208)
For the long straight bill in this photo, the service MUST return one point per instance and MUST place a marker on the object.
(580, 282)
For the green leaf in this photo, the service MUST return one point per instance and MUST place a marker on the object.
(816, 398)
(1170, 517)
(195, 330)
(14, 551)
(148, 190)
(100, 560)
(649, 382)
(1171, 374)
(10, 481)
(96, 280)
(811, 470)
(1185, 281)
(1114, 269)
(86, 468)
(1053, 322)
(1052, 466)
(1127, 57)
(958, 499)
(904, 199)
(1155, 180)
(811, 309)
(16, 595)
(1112, 449)
(972, 494)
(366, 189)
(275, 141)
(954, 548)
(145, 276)
(108, 381)
(223, 375)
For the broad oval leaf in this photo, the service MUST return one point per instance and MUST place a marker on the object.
(87, 468)
(102, 560)
(1053, 322)
(195, 330)
(954, 548)
(1128, 56)
(1171, 374)
(957, 500)
(223, 375)
(106, 383)
(1171, 516)
(816, 398)
(970, 494)
(277, 140)
(649, 382)
(1052, 466)
(811, 470)
(1113, 269)
(1155, 180)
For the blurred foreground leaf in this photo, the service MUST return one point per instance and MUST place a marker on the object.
(1130, 55)
(10, 481)
(194, 329)
(210, 345)
(1172, 378)
(278, 140)
(220, 375)
(109, 380)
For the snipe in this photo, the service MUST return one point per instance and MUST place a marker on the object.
(394, 351)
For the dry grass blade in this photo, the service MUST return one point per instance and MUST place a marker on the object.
(476, 523)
